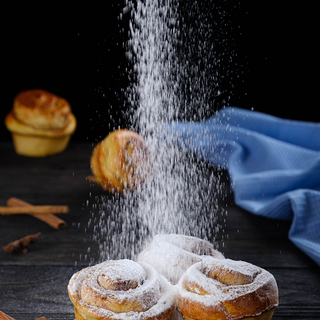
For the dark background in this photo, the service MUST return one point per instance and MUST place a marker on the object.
(77, 52)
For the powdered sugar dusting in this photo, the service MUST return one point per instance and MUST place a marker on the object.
(125, 271)
(245, 272)
(220, 294)
(172, 254)
(175, 77)
(155, 294)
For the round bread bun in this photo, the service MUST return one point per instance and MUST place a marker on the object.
(41, 123)
(41, 110)
(173, 254)
(119, 290)
(215, 289)
(119, 162)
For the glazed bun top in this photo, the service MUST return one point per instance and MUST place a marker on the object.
(41, 110)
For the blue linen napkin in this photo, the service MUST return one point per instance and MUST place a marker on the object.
(274, 166)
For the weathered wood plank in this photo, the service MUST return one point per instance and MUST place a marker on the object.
(35, 290)
(257, 243)
(34, 284)
(43, 290)
(61, 179)
(260, 240)
(52, 179)
(49, 316)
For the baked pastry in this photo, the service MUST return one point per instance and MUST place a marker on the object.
(173, 254)
(120, 162)
(121, 289)
(227, 289)
(41, 123)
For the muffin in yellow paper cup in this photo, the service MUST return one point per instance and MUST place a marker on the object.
(40, 123)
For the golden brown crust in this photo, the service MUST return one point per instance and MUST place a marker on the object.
(145, 296)
(41, 123)
(4, 316)
(119, 161)
(41, 110)
(15, 126)
(264, 316)
(225, 289)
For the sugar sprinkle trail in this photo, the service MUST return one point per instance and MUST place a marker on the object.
(176, 67)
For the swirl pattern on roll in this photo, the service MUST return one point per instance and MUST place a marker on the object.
(227, 289)
(121, 289)
(41, 110)
(120, 161)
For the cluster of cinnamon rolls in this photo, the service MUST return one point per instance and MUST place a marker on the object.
(174, 277)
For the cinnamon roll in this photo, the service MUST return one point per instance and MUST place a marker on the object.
(173, 254)
(120, 161)
(40, 122)
(226, 289)
(121, 289)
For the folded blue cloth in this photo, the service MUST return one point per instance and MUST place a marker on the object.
(274, 166)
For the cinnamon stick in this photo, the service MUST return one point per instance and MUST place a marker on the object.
(21, 244)
(48, 218)
(4, 316)
(33, 209)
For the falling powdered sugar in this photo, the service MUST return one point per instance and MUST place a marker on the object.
(175, 77)
(173, 254)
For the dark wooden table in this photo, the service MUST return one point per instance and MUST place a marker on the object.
(35, 284)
